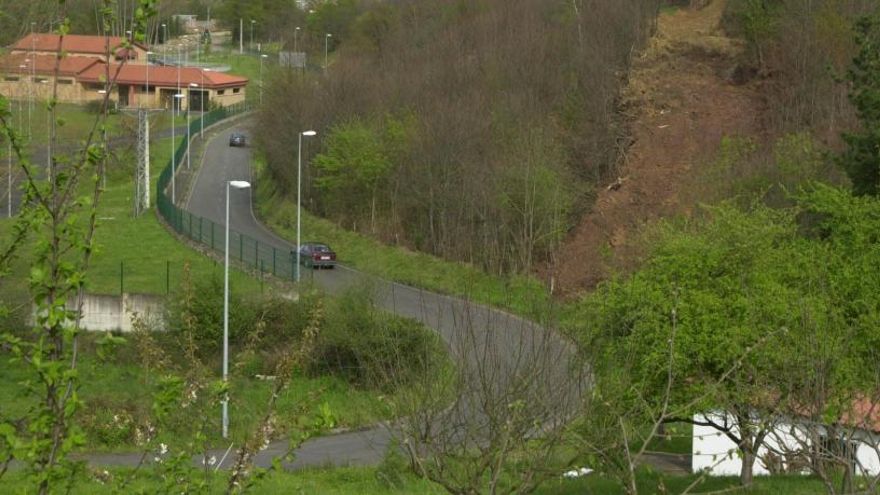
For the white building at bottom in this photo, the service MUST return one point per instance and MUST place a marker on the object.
(786, 449)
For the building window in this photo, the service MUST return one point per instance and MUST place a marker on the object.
(65, 81)
(40, 79)
(221, 92)
(10, 78)
(236, 90)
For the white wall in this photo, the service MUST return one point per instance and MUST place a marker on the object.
(105, 313)
(715, 452)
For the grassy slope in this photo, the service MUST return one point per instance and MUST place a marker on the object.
(143, 245)
(368, 481)
(117, 384)
(523, 295)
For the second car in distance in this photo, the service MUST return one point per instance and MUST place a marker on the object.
(317, 255)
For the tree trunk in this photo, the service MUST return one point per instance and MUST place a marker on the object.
(746, 473)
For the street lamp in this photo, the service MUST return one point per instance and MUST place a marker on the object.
(149, 95)
(299, 194)
(252, 34)
(326, 42)
(165, 44)
(105, 101)
(238, 184)
(261, 77)
(295, 32)
(188, 108)
(174, 104)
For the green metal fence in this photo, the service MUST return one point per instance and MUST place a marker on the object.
(247, 250)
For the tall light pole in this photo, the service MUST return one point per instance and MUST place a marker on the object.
(149, 95)
(299, 194)
(9, 185)
(165, 44)
(263, 56)
(240, 36)
(326, 43)
(252, 34)
(238, 184)
(295, 32)
(177, 101)
(105, 101)
(33, 75)
(188, 108)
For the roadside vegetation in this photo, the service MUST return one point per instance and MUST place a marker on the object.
(521, 294)
(475, 164)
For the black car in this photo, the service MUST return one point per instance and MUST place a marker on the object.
(317, 255)
(237, 139)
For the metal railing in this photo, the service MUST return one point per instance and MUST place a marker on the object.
(248, 251)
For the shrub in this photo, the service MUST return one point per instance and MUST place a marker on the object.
(370, 348)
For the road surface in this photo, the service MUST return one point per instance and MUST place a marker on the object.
(489, 342)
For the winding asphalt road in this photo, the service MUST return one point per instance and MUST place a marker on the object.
(492, 345)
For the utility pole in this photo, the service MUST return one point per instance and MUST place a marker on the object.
(240, 36)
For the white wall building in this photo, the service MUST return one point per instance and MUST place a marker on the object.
(787, 447)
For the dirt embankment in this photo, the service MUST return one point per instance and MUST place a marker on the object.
(685, 92)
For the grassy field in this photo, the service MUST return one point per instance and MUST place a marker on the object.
(77, 122)
(371, 481)
(119, 387)
(520, 294)
(137, 255)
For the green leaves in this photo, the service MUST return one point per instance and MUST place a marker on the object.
(861, 159)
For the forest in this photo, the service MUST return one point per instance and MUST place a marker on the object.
(474, 131)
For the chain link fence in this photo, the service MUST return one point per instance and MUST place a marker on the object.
(247, 250)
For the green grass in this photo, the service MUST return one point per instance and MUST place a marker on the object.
(368, 481)
(520, 294)
(77, 122)
(141, 248)
(118, 385)
(678, 439)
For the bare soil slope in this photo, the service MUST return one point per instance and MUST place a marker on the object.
(685, 93)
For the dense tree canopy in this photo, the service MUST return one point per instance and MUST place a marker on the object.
(758, 310)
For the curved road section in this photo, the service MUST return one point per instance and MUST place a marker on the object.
(496, 348)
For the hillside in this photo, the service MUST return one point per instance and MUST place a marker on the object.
(684, 94)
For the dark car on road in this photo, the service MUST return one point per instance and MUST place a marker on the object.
(237, 139)
(317, 255)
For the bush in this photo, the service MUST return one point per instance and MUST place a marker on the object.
(370, 348)
(203, 314)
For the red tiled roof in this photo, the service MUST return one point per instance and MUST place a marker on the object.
(45, 64)
(164, 76)
(73, 43)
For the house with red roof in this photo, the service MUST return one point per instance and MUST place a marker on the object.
(32, 68)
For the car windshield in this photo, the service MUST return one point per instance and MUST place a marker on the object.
(320, 248)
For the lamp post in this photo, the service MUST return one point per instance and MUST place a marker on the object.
(238, 184)
(299, 194)
(104, 102)
(188, 108)
(295, 32)
(165, 44)
(149, 95)
(178, 97)
(33, 75)
(326, 43)
(263, 56)
(252, 34)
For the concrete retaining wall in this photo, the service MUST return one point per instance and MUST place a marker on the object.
(104, 313)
